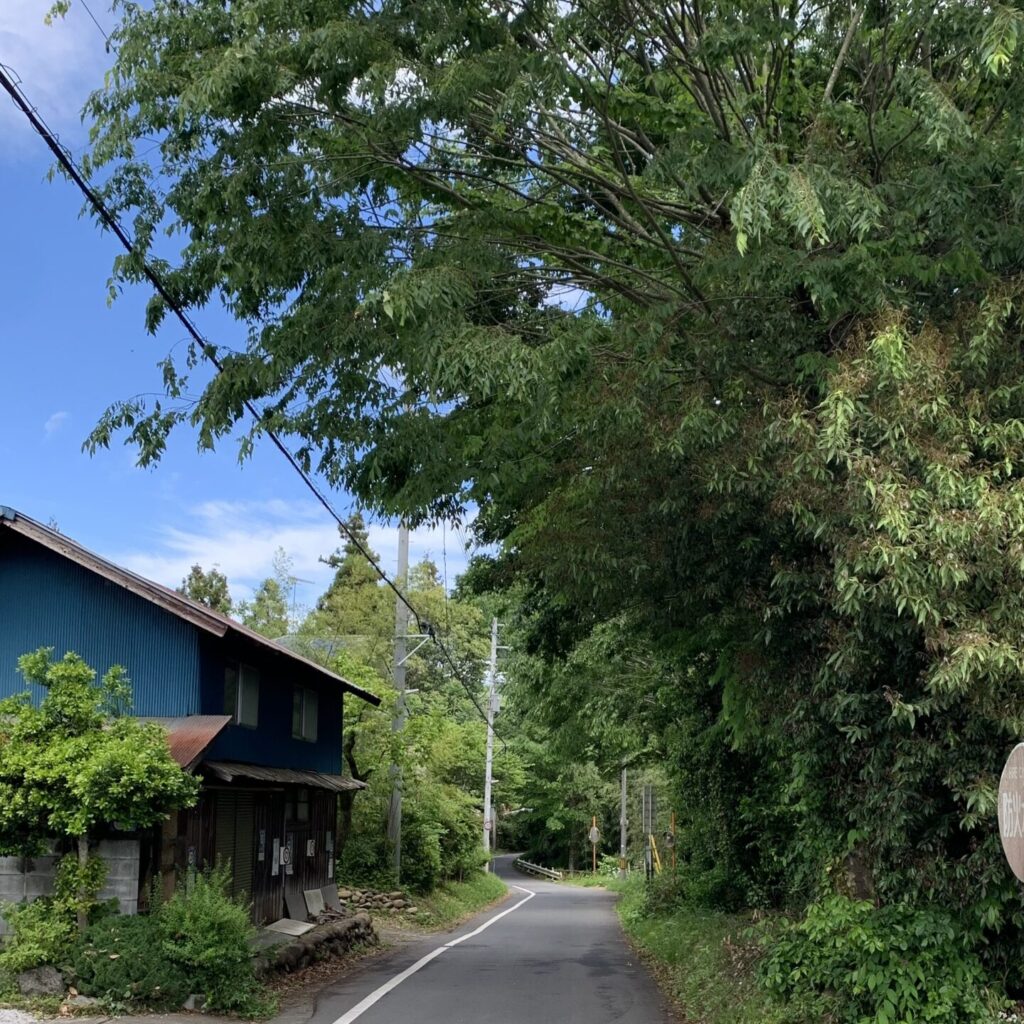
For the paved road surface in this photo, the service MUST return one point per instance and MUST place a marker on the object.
(556, 957)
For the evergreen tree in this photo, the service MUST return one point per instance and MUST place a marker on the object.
(208, 588)
(350, 565)
(267, 612)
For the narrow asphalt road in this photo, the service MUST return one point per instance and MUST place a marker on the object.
(555, 957)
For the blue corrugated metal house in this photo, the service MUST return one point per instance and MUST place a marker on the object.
(259, 723)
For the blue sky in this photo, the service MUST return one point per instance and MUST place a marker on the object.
(65, 355)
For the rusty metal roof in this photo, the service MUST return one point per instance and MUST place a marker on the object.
(170, 600)
(188, 737)
(228, 771)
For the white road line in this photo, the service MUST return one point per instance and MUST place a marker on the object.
(374, 997)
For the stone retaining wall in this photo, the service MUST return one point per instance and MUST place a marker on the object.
(332, 939)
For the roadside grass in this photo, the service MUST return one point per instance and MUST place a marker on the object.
(589, 881)
(37, 1006)
(452, 902)
(702, 960)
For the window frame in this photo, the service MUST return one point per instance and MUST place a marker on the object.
(306, 711)
(243, 693)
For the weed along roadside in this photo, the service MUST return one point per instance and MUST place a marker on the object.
(846, 961)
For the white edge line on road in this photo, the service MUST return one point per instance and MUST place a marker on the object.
(364, 1004)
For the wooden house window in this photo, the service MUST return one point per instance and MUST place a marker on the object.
(298, 805)
(242, 694)
(305, 707)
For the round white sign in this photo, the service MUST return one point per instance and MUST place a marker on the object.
(1011, 810)
(595, 836)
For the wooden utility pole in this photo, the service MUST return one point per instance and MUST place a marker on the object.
(398, 722)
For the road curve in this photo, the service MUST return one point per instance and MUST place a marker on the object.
(555, 957)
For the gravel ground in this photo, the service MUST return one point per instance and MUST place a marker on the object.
(16, 1017)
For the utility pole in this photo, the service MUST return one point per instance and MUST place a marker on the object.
(492, 679)
(622, 827)
(398, 722)
(648, 819)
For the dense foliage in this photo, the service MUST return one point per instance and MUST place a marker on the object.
(853, 963)
(199, 941)
(713, 310)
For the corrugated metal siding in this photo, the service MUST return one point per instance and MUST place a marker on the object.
(46, 601)
(229, 771)
(271, 742)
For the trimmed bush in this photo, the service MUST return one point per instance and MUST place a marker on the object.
(121, 962)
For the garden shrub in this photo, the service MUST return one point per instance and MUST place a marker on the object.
(207, 936)
(121, 962)
(853, 963)
(41, 933)
(199, 941)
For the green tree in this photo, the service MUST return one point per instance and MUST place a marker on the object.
(75, 762)
(714, 312)
(351, 567)
(267, 612)
(207, 587)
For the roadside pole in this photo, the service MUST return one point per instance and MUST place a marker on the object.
(492, 675)
(672, 843)
(398, 722)
(622, 828)
(648, 820)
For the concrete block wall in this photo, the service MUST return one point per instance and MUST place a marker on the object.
(22, 879)
(122, 859)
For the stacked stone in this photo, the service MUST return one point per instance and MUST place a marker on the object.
(369, 901)
(333, 939)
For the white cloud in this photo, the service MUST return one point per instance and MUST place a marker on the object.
(58, 64)
(241, 538)
(55, 422)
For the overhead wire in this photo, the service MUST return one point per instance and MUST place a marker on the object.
(103, 32)
(12, 85)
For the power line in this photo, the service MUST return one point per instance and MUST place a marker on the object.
(103, 32)
(12, 84)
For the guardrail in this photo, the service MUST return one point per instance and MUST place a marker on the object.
(535, 869)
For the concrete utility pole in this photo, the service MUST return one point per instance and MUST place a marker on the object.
(648, 819)
(622, 828)
(492, 681)
(398, 722)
